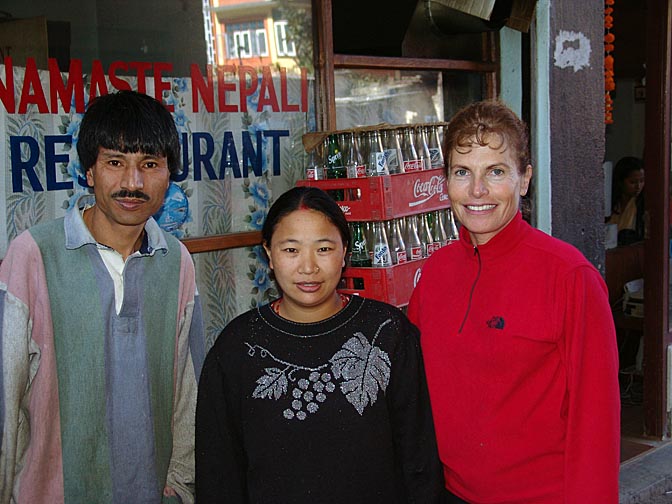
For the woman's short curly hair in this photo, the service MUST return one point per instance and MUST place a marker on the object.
(489, 123)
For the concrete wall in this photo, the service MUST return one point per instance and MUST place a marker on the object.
(576, 118)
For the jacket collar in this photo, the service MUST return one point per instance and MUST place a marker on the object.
(502, 243)
(77, 234)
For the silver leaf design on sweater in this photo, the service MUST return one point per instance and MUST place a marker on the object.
(271, 385)
(364, 368)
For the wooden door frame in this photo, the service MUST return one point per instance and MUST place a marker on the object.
(657, 335)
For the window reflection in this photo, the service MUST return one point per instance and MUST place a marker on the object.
(240, 124)
(180, 32)
(107, 31)
(262, 33)
(366, 97)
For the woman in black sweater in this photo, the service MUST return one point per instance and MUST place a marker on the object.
(318, 397)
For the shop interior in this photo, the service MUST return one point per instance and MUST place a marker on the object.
(625, 257)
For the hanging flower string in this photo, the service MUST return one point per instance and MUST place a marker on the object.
(609, 83)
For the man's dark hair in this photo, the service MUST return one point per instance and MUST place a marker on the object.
(128, 121)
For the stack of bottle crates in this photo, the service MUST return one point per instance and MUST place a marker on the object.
(390, 183)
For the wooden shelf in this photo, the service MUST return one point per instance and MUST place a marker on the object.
(386, 63)
(223, 241)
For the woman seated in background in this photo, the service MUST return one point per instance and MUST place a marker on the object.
(318, 397)
(627, 200)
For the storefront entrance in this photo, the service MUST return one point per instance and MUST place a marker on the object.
(641, 129)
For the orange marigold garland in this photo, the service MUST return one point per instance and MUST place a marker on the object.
(609, 83)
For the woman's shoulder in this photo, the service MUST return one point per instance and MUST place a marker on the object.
(372, 308)
(554, 253)
(375, 314)
(233, 333)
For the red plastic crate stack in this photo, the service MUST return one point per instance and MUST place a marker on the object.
(394, 284)
(390, 196)
(380, 199)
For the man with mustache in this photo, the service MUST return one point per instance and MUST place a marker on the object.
(101, 337)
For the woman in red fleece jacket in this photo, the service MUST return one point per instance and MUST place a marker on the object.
(517, 336)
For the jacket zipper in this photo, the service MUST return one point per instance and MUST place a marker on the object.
(473, 286)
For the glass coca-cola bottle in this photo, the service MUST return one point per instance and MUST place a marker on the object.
(362, 139)
(422, 148)
(453, 234)
(410, 161)
(314, 169)
(413, 243)
(439, 230)
(425, 234)
(354, 162)
(397, 245)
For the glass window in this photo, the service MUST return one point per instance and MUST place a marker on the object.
(366, 97)
(246, 40)
(240, 124)
(284, 46)
(262, 43)
(242, 47)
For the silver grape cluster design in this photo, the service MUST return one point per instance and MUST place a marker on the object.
(310, 392)
(362, 369)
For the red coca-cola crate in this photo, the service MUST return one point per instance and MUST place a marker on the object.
(392, 285)
(390, 196)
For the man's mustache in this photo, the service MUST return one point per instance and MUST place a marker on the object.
(130, 194)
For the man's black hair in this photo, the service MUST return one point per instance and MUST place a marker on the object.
(128, 121)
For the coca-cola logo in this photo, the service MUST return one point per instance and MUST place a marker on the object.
(416, 253)
(425, 190)
(416, 277)
(345, 209)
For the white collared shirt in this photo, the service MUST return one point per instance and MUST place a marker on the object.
(115, 264)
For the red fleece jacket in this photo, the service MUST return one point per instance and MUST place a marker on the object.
(522, 367)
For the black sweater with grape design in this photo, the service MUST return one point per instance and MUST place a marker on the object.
(329, 412)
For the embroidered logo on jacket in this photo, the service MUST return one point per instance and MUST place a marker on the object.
(360, 369)
(496, 322)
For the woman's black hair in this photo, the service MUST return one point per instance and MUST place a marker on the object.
(624, 167)
(310, 198)
(128, 121)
